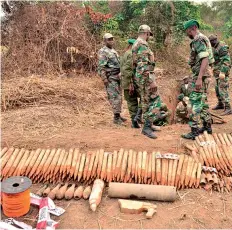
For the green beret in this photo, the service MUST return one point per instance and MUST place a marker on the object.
(191, 23)
(131, 41)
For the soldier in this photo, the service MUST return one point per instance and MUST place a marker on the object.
(109, 70)
(185, 87)
(144, 64)
(221, 73)
(130, 92)
(201, 57)
(181, 113)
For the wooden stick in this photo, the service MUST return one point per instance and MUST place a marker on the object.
(95, 165)
(90, 168)
(158, 169)
(153, 161)
(170, 168)
(124, 165)
(115, 157)
(179, 169)
(74, 161)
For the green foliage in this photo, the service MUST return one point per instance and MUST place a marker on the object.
(227, 28)
(101, 6)
(166, 19)
(129, 17)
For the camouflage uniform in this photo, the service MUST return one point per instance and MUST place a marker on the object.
(109, 68)
(222, 64)
(185, 90)
(143, 60)
(127, 79)
(181, 113)
(200, 48)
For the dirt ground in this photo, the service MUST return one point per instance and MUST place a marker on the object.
(56, 126)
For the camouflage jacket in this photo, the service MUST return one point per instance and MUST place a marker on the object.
(200, 48)
(185, 91)
(126, 69)
(181, 110)
(222, 58)
(108, 63)
(143, 60)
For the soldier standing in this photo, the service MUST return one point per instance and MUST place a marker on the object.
(200, 58)
(221, 71)
(130, 92)
(144, 64)
(109, 70)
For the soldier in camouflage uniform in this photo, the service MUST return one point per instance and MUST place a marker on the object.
(109, 70)
(200, 58)
(182, 108)
(130, 92)
(221, 71)
(144, 64)
(184, 88)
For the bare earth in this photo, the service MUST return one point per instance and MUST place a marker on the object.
(58, 126)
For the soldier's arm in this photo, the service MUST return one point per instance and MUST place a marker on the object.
(102, 65)
(128, 66)
(224, 59)
(203, 55)
(146, 62)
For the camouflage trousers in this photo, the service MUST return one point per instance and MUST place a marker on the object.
(114, 93)
(199, 109)
(222, 89)
(150, 102)
(133, 102)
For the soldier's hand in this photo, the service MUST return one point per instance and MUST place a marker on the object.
(153, 87)
(222, 76)
(199, 84)
(106, 82)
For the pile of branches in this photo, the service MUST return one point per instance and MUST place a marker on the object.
(34, 91)
(38, 36)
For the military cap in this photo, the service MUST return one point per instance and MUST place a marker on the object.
(191, 23)
(107, 36)
(144, 29)
(212, 37)
(131, 41)
(185, 77)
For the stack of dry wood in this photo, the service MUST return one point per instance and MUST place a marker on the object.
(123, 166)
(213, 150)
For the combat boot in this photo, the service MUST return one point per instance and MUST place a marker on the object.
(147, 131)
(227, 110)
(206, 127)
(117, 119)
(138, 116)
(219, 105)
(192, 135)
(134, 123)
